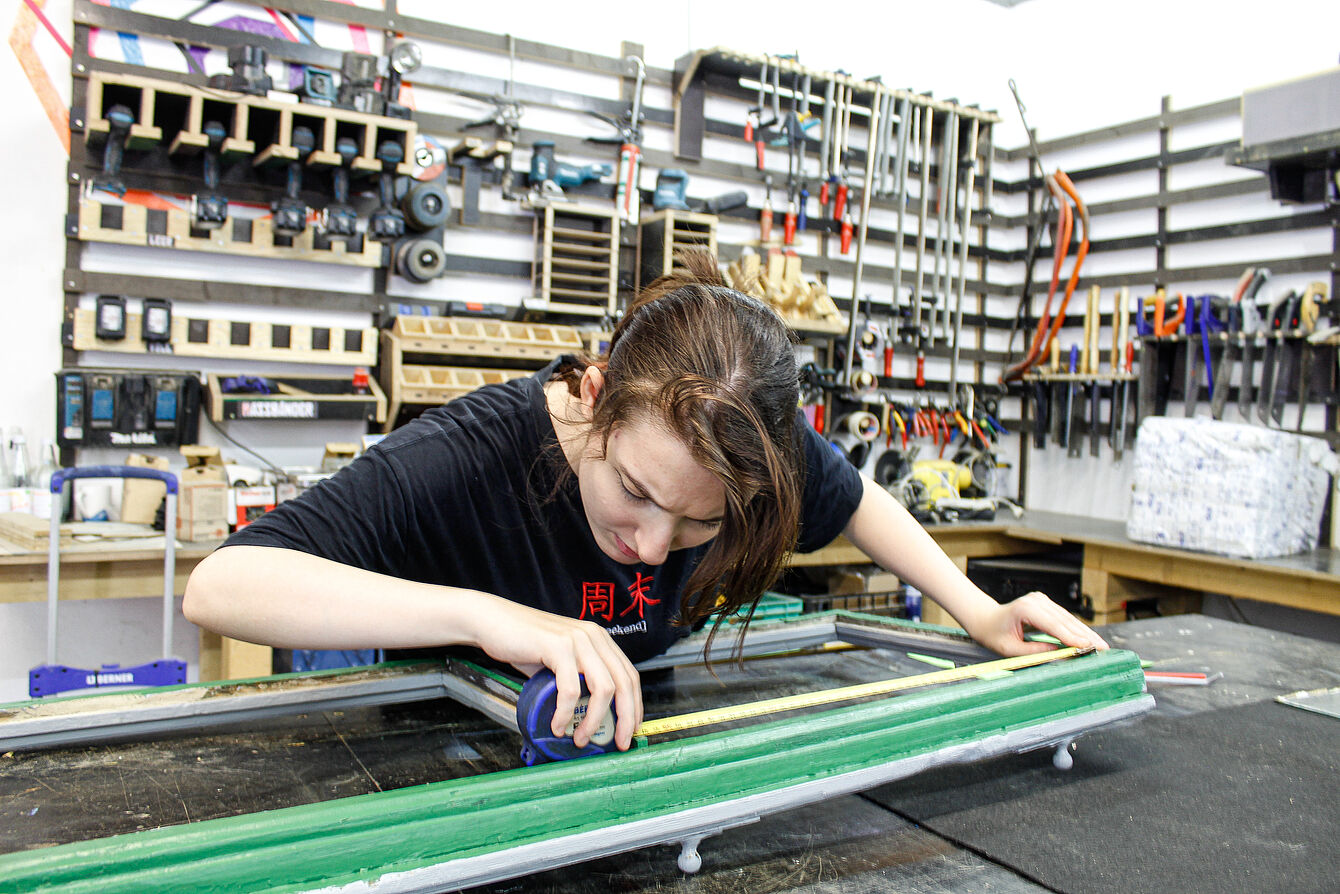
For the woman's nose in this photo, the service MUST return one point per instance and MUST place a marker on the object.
(653, 541)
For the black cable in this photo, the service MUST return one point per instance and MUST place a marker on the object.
(236, 443)
(296, 24)
(191, 61)
(1023, 315)
(199, 9)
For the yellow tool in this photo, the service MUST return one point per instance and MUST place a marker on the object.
(1093, 324)
(846, 693)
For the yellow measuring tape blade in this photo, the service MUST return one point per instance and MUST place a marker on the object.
(846, 693)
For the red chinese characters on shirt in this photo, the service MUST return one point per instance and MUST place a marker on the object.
(597, 600)
(638, 590)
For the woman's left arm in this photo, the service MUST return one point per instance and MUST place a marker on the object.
(886, 532)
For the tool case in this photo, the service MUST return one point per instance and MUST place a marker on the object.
(51, 678)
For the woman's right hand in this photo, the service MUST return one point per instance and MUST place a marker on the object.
(529, 639)
(326, 605)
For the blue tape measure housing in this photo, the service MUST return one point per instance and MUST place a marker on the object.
(535, 717)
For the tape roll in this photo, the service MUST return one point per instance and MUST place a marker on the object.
(863, 425)
(863, 380)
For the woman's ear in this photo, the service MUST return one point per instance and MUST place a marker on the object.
(593, 381)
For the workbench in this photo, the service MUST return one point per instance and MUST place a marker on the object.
(127, 570)
(1220, 788)
(1114, 570)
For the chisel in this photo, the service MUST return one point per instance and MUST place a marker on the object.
(1059, 411)
(1041, 413)
(1190, 383)
(1121, 407)
(1074, 408)
(1095, 417)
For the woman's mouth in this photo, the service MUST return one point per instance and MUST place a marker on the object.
(624, 548)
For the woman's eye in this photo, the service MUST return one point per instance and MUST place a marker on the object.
(632, 497)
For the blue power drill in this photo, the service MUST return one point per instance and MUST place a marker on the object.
(552, 177)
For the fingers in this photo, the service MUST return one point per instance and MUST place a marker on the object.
(1036, 610)
(609, 677)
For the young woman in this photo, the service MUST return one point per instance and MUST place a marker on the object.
(586, 517)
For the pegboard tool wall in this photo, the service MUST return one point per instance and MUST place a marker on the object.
(1168, 210)
(492, 261)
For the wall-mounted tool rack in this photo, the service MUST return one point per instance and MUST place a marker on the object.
(662, 234)
(576, 260)
(416, 352)
(170, 118)
(723, 76)
(1159, 186)
(297, 398)
(724, 73)
(128, 223)
(237, 340)
(557, 61)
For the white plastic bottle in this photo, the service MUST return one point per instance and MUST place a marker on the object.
(20, 470)
(41, 488)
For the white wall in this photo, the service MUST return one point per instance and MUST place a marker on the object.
(1078, 65)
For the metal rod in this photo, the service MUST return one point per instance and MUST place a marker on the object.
(826, 138)
(900, 189)
(927, 120)
(951, 222)
(169, 566)
(963, 258)
(866, 188)
(939, 289)
(885, 139)
(53, 572)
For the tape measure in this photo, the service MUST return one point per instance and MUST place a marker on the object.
(535, 717)
(535, 707)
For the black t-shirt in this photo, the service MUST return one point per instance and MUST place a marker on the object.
(469, 495)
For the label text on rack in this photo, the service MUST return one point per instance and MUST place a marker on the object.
(276, 409)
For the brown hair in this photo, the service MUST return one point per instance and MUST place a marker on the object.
(717, 367)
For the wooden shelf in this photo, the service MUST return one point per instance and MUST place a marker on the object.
(588, 232)
(410, 383)
(236, 340)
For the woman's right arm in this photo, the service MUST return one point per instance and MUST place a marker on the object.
(290, 599)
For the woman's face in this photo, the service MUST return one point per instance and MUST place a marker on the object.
(647, 496)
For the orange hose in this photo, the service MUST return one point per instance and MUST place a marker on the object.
(1064, 226)
(1083, 252)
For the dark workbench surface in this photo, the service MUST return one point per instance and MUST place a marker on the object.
(1219, 789)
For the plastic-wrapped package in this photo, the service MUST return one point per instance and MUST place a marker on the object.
(1221, 487)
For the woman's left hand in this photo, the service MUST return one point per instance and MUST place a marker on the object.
(1002, 629)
